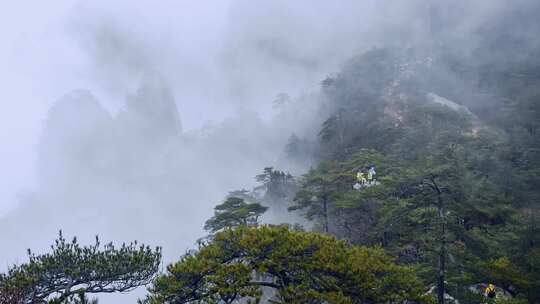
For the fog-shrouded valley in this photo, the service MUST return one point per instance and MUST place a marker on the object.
(242, 151)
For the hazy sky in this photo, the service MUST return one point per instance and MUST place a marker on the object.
(218, 57)
(50, 48)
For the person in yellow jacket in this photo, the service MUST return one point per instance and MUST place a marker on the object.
(490, 291)
(360, 177)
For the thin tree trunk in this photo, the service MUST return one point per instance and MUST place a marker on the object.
(325, 213)
(442, 257)
(442, 252)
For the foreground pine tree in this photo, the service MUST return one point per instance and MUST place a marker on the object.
(71, 271)
(282, 266)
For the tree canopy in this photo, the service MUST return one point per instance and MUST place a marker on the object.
(71, 271)
(275, 264)
(233, 212)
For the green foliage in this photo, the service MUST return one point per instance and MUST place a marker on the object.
(70, 271)
(438, 166)
(403, 214)
(316, 192)
(234, 212)
(277, 185)
(276, 264)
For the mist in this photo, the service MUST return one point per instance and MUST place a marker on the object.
(133, 120)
